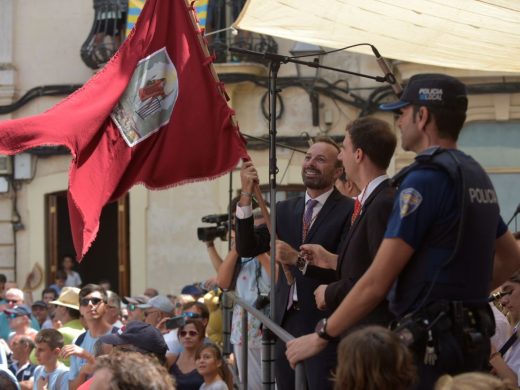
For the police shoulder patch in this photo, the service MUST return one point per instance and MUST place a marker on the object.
(409, 201)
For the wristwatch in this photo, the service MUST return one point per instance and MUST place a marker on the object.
(321, 329)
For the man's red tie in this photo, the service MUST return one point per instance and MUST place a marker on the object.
(307, 217)
(357, 210)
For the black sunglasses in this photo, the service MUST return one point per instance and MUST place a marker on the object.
(191, 333)
(86, 301)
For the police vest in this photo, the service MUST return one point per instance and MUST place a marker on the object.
(465, 275)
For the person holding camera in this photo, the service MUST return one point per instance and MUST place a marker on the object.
(250, 278)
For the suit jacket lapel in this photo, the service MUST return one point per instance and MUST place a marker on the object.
(322, 215)
(366, 204)
(298, 218)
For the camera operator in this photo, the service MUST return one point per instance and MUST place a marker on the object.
(252, 284)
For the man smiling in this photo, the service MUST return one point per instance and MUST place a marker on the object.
(319, 217)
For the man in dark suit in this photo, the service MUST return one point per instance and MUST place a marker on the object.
(320, 217)
(366, 153)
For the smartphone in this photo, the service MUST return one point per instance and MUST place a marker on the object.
(175, 322)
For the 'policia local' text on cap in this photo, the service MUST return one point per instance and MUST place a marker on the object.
(432, 90)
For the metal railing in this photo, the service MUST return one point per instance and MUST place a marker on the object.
(221, 42)
(221, 15)
(267, 343)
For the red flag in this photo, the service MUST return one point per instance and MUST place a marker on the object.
(155, 114)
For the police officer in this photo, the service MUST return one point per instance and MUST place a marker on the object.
(436, 260)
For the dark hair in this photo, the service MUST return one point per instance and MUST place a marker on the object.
(50, 290)
(223, 370)
(61, 274)
(375, 138)
(67, 256)
(204, 312)
(73, 313)
(330, 141)
(161, 358)
(90, 288)
(51, 337)
(449, 122)
(3, 278)
(374, 358)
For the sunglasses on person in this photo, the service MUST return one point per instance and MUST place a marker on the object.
(191, 333)
(13, 301)
(131, 307)
(86, 301)
(190, 314)
(12, 316)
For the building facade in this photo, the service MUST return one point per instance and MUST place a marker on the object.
(157, 244)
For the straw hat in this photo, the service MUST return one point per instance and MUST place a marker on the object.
(69, 297)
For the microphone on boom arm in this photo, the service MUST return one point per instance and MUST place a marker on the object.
(389, 76)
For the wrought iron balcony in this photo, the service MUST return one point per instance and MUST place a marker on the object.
(221, 15)
(106, 34)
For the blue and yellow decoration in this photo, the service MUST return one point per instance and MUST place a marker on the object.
(136, 6)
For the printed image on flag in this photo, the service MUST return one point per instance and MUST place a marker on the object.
(156, 114)
(147, 103)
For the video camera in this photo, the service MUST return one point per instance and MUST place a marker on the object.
(211, 232)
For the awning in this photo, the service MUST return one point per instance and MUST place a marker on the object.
(467, 34)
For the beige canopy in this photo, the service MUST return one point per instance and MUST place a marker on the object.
(467, 34)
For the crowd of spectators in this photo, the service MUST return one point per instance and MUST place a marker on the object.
(82, 337)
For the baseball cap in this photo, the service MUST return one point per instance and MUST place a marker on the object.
(192, 290)
(21, 310)
(431, 90)
(40, 304)
(137, 300)
(160, 302)
(69, 297)
(145, 337)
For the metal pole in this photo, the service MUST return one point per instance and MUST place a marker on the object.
(244, 349)
(227, 307)
(301, 383)
(267, 359)
(274, 67)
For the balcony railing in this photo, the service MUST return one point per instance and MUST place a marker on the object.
(221, 15)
